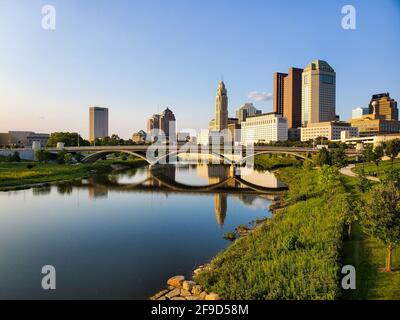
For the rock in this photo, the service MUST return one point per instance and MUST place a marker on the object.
(203, 295)
(171, 288)
(162, 298)
(212, 296)
(188, 285)
(176, 281)
(174, 293)
(158, 295)
(193, 297)
(197, 271)
(185, 293)
(196, 290)
(178, 298)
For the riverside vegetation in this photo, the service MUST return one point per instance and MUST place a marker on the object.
(299, 253)
(16, 173)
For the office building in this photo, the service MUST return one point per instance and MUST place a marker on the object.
(264, 128)
(40, 139)
(287, 96)
(23, 139)
(318, 93)
(220, 122)
(292, 97)
(139, 137)
(279, 86)
(246, 110)
(153, 123)
(168, 125)
(382, 105)
(374, 124)
(330, 129)
(98, 123)
(359, 112)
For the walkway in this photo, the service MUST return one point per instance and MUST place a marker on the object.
(347, 171)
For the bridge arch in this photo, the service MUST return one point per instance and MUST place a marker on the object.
(211, 153)
(92, 158)
(257, 153)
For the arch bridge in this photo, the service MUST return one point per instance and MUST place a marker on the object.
(230, 155)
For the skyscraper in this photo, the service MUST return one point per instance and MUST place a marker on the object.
(292, 98)
(246, 110)
(318, 93)
(382, 105)
(221, 108)
(167, 124)
(279, 82)
(153, 123)
(98, 123)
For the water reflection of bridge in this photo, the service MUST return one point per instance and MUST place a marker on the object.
(220, 182)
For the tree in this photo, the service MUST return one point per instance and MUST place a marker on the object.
(69, 139)
(368, 153)
(329, 176)
(363, 184)
(381, 217)
(350, 209)
(377, 156)
(324, 157)
(61, 156)
(43, 155)
(15, 157)
(392, 149)
(338, 157)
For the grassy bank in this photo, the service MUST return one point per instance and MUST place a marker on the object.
(19, 174)
(371, 168)
(294, 256)
(368, 257)
(270, 162)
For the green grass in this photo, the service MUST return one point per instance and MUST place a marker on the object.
(270, 162)
(294, 256)
(367, 255)
(371, 168)
(17, 174)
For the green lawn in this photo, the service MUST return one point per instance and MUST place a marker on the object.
(371, 168)
(18, 174)
(368, 257)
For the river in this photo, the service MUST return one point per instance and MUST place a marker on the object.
(121, 235)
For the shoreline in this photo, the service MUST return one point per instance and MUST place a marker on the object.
(92, 170)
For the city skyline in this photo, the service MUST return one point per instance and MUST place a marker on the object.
(71, 67)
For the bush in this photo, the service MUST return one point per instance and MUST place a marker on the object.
(14, 157)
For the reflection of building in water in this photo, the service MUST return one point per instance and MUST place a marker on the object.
(220, 207)
(97, 192)
(247, 199)
(263, 179)
(167, 171)
(213, 173)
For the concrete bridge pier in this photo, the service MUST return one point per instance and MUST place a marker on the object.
(232, 170)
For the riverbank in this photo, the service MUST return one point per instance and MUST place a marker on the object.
(21, 175)
(296, 255)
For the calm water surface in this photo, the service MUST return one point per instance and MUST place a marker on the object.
(109, 238)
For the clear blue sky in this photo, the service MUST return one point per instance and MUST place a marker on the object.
(138, 57)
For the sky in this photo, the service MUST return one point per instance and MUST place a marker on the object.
(138, 57)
